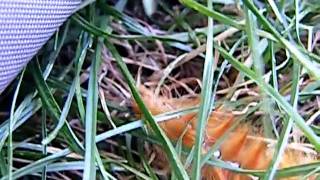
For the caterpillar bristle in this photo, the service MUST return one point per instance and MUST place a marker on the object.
(230, 149)
(249, 153)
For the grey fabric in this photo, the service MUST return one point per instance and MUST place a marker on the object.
(25, 26)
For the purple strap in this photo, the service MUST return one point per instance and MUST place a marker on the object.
(25, 26)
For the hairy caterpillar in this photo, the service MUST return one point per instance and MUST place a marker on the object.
(246, 152)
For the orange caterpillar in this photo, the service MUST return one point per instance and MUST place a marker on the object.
(249, 153)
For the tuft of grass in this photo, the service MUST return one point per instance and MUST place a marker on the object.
(69, 114)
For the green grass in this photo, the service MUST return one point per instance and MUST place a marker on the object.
(69, 114)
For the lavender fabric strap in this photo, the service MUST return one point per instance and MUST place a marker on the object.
(25, 26)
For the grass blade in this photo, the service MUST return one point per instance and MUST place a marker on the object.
(206, 98)
(292, 48)
(38, 165)
(91, 115)
(44, 135)
(11, 123)
(51, 105)
(284, 136)
(292, 113)
(210, 13)
(80, 55)
(168, 147)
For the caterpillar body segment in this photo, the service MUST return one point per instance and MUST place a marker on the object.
(239, 147)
